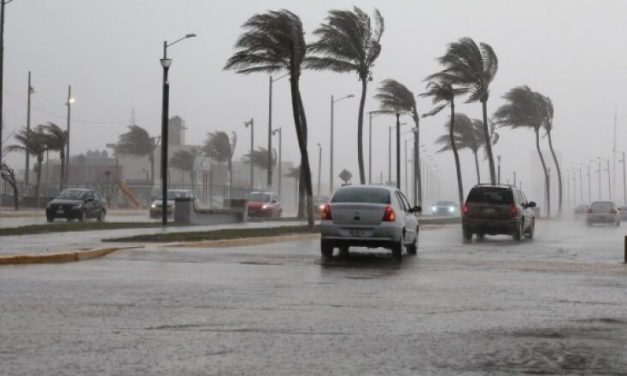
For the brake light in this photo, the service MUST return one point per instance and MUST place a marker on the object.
(466, 209)
(389, 215)
(325, 215)
(514, 211)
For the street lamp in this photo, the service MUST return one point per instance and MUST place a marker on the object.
(165, 64)
(251, 123)
(371, 114)
(333, 101)
(2, 10)
(498, 179)
(274, 132)
(69, 101)
(624, 179)
(30, 92)
(398, 151)
(270, 131)
(319, 165)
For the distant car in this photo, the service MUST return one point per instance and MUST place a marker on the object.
(157, 205)
(603, 212)
(581, 210)
(264, 204)
(444, 208)
(623, 213)
(498, 209)
(77, 203)
(318, 203)
(369, 216)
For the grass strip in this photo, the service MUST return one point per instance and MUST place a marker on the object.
(73, 226)
(224, 234)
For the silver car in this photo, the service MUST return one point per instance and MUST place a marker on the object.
(603, 212)
(369, 216)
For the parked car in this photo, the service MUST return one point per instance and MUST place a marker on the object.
(157, 205)
(264, 204)
(603, 212)
(498, 209)
(369, 216)
(581, 210)
(77, 203)
(445, 208)
(318, 203)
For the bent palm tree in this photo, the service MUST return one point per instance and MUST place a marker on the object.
(56, 139)
(443, 94)
(524, 110)
(34, 143)
(397, 98)
(548, 128)
(184, 161)
(260, 158)
(220, 148)
(139, 143)
(468, 134)
(349, 41)
(274, 41)
(472, 67)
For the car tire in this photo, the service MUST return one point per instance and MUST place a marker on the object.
(326, 248)
(412, 249)
(344, 251)
(101, 216)
(49, 219)
(518, 233)
(480, 236)
(532, 230)
(397, 249)
(467, 235)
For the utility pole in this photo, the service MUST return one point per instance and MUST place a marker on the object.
(278, 130)
(270, 136)
(389, 155)
(624, 181)
(580, 185)
(599, 172)
(589, 185)
(609, 181)
(68, 103)
(398, 150)
(514, 178)
(251, 124)
(406, 162)
(2, 10)
(498, 179)
(319, 165)
(27, 167)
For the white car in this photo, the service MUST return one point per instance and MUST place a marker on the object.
(603, 212)
(369, 216)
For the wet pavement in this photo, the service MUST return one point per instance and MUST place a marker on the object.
(554, 305)
(31, 219)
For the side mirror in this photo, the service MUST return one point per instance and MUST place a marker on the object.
(531, 204)
(416, 209)
(273, 201)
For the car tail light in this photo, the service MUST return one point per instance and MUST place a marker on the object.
(513, 211)
(614, 211)
(389, 215)
(325, 215)
(589, 211)
(466, 209)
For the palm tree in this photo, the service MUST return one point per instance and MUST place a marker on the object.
(139, 143)
(472, 67)
(548, 128)
(8, 174)
(274, 41)
(260, 158)
(524, 110)
(56, 139)
(34, 143)
(443, 94)
(397, 98)
(220, 148)
(468, 134)
(184, 161)
(349, 41)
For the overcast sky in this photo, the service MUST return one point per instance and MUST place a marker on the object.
(572, 51)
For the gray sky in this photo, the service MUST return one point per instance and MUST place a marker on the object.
(108, 51)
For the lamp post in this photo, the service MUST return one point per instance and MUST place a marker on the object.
(30, 91)
(333, 101)
(165, 64)
(2, 10)
(274, 132)
(514, 178)
(498, 174)
(624, 180)
(398, 150)
(68, 103)
(406, 162)
(251, 124)
(371, 114)
(270, 131)
(599, 172)
(319, 165)
(589, 185)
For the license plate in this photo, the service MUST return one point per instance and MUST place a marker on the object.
(357, 233)
(60, 211)
(488, 211)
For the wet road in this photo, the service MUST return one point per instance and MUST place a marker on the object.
(7, 222)
(557, 304)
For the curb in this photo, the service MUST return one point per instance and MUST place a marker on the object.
(60, 257)
(242, 242)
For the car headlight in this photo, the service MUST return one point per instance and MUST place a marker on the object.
(77, 206)
(153, 206)
(451, 209)
(321, 207)
(434, 209)
(264, 207)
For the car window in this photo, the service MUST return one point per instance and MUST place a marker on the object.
(363, 195)
(89, 195)
(493, 195)
(602, 205)
(400, 201)
(404, 200)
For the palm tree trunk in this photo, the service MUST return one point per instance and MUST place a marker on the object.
(300, 123)
(546, 175)
(151, 158)
(458, 167)
(301, 195)
(488, 141)
(360, 123)
(559, 175)
(39, 160)
(417, 170)
(477, 167)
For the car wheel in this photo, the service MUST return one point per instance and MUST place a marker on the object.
(518, 232)
(101, 216)
(326, 248)
(344, 251)
(467, 235)
(532, 230)
(480, 236)
(412, 249)
(397, 249)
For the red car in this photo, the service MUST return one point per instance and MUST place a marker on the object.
(264, 204)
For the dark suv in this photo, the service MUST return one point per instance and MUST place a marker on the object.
(496, 210)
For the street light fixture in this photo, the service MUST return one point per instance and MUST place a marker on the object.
(270, 131)
(69, 101)
(251, 123)
(165, 64)
(333, 101)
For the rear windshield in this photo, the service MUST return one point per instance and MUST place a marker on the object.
(258, 197)
(602, 205)
(366, 195)
(491, 195)
(445, 203)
